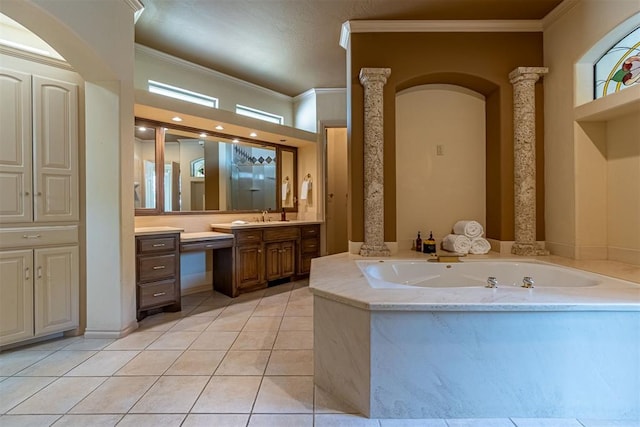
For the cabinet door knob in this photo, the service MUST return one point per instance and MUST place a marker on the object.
(26, 193)
(259, 251)
(158, 267)
(39, 193)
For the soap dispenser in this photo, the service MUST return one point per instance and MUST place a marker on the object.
(430, 244)
(419, 243)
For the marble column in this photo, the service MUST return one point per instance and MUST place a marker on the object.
(524, 150)
(373, 80)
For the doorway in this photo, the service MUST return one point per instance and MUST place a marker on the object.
(337, 190)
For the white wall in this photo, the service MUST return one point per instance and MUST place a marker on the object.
(434, 191)
(157, 66)
(304, 107)
(575, 166)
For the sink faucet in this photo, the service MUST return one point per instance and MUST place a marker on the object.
(264, 213)
(492, 282)
(527, 282)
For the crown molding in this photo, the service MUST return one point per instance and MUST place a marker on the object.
(183, 63)
(136, 5)
(558, 12)
(445, 26)
(320, 91)
(34, 57)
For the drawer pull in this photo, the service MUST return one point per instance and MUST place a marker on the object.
(158, 245)
(30, 236)
(39, 272)
(311, 246)
(159, 267)
(209, 246)
(27, 274)
(159, 294)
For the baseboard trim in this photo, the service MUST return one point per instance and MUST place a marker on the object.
(626, 255)
(111, 334)
(195, 289)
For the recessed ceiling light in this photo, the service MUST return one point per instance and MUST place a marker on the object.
(176, 119)
(235, 140)
(203, 135)
(253, 134)
(142, 128)
(219, 127)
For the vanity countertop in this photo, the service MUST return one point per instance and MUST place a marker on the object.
(142, 231)
(204, 235)
(294, 222)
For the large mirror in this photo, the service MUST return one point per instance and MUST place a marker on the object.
(207, 171)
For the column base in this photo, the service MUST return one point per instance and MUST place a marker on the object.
(368, 249)
(528, 249)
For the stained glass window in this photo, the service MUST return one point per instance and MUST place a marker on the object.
(619, 67)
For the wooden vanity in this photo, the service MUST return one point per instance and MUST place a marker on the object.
(264, 253)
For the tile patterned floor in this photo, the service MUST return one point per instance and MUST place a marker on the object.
(220, 362)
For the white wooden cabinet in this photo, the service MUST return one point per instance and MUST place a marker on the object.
(38, 149)
(38, 292)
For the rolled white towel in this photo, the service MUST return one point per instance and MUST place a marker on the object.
(469, 228)
(479, 246)
(456, 243)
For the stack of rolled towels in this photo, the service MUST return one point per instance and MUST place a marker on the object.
(466, 238)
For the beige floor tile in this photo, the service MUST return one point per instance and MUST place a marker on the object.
(262, 324)
(196, 362)
(52, 344)
(344, 420)
(299, 308)
(138, 340)
(254, 340)
(90, 344)
(291, 395)
(206, 311)
(486, 422)
(281, 420)
(161, 322)
(16, 389)
(56, 364)
(284, 288)
(216, 301)
(325, 403)
(171, 394)
(297, 323)
(290, 362)
(152, 420)
(103, 363)
(231, 323)
(294, 340)
(116, 395)
(192, 323)
(415, 422)
(216, 420)
(27, 420)
(150, 362)
(174, 341)
(195, 299)
(247, 362)
(228, 395)
(275, 299)
(239, 310)
(270, 310)
(3, 378)
(16, 360)
(89, 420)
(214, 340)
(59, 396)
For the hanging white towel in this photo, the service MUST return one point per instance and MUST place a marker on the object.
(304, 190)
(458, 243)
(471, 229)
(285, 190)
(480, 246)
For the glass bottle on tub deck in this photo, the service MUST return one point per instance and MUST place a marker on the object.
(430, 245)
(419, 243)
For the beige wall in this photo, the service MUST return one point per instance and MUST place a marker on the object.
(576, 162)
(434, 191)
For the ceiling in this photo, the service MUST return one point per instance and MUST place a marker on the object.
(291, 46)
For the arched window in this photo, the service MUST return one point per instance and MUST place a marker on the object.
(197, 168)
(619, 67)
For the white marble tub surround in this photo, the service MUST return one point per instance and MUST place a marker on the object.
(476, 352)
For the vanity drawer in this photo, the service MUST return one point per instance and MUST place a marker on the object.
(38, 236)
(281, 233)
(205, 245)
(310, 246)
(309, 231)
(249, 236)
(156, 293)
(148, 245)
(156, 267)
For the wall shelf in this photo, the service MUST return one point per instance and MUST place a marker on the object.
(610, 107)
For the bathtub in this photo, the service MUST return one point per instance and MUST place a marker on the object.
(406, 338)
(409, 273)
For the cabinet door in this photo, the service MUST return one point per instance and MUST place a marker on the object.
(15, 147)
(56, 287)
(287, 259)
(16, 296)
(55, 134)
(272, 261)
(249, 265)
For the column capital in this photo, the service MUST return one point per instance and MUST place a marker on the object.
(372, 75)
(527, 73)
